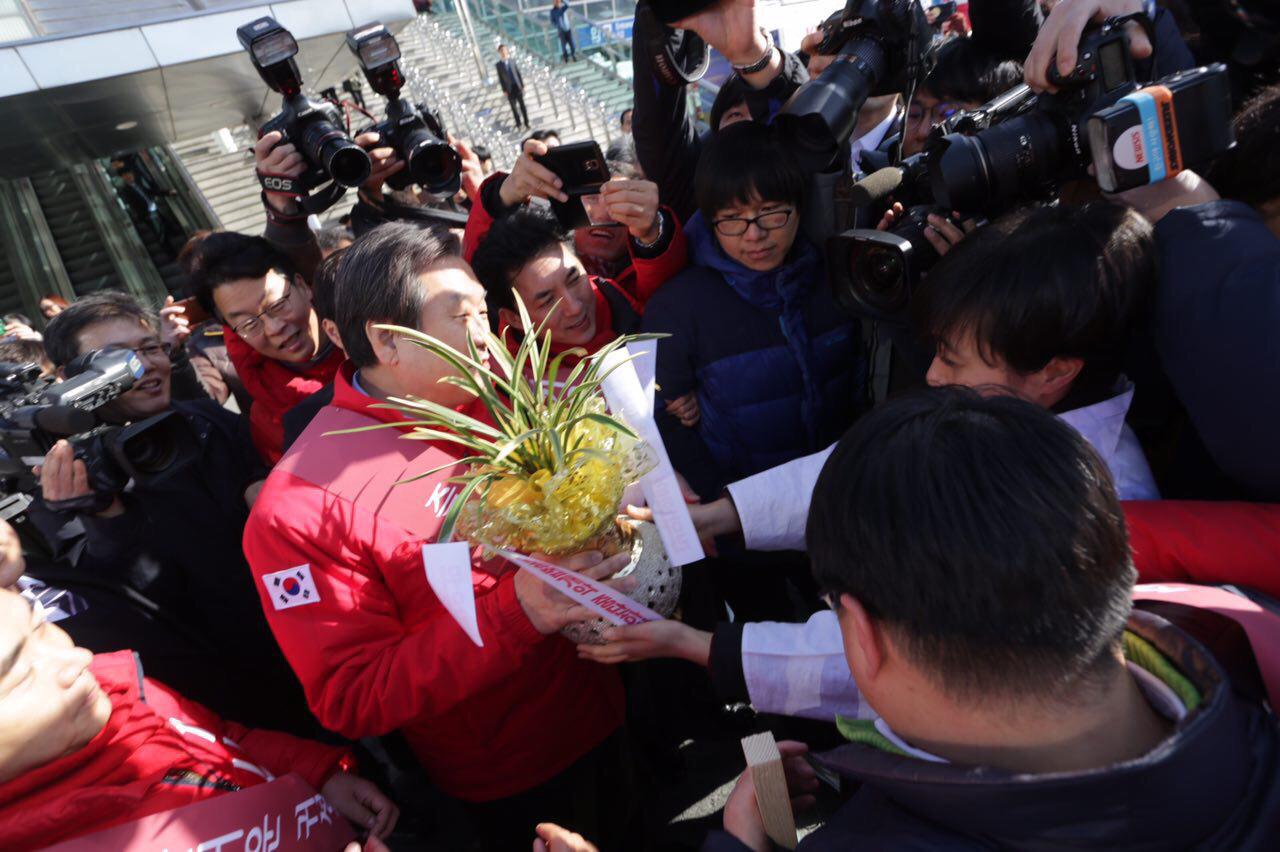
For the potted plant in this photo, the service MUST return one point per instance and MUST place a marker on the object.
(547, 467)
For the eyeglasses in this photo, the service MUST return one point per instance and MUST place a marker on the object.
(771, 221)
(253, 326)
(154, 350)
(937, 114)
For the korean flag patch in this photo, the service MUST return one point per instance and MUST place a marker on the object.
(292, 587)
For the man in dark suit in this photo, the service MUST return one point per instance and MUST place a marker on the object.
(512, 82)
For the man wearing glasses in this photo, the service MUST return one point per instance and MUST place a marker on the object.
(272, 331)
(173, 544)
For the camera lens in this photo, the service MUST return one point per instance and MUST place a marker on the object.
(1012, 160)
(150, 452)
(822, 114)
(879, 274)
(347, 162)
(433, 165)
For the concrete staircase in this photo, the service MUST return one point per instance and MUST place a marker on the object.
(581, 100)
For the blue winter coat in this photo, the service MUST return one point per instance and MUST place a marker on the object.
(772, 383)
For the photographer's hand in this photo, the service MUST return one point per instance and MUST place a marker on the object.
(633, 203)
(472, 173)
(817, 62)
(943, 234)
(175, 328)
(272, 158)
(732, 28)
(1060, 36)
(65, 477)
(386, 162)
(1185, 189)
(530, 179)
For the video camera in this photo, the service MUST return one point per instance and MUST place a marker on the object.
(35, 413)
(881, 48)
(1025, 147)
(314, 126)
(1022, 146)
(413, 130)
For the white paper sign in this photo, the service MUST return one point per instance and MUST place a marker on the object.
(631, 399)
(448, 569)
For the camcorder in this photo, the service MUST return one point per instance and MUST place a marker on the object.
(881, 47)
(315, 127)
(1022, 146)
(35, 413)
(415, 132)
(1027, 146)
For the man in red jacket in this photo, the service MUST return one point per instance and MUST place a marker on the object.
(519, 729)
(272, 332)
(87, 743)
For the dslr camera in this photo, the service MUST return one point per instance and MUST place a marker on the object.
(1023, 146)
(414, 131)
(314, 126)
(881, 47)
(35, 413)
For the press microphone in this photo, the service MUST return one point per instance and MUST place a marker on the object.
(876, 187)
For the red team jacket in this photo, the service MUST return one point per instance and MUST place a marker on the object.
(336, 550)
(275, 388)
(158, 751)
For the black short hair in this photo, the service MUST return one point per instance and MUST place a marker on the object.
(331, 236)
(61, 336)
(23, 351)
(540, 136)
(622, 161)
(324, 284)
(377, 280)
(1045, 282)
(743, 161)
(622, 116)
(225, 256)
(963, 71)
(482, 153)
(1250, 172)
(985, 534)
(512, 242)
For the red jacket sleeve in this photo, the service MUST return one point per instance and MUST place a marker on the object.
(377, 650)
(1203, 542)
(481, 219)
(653, 272)
(276, 752)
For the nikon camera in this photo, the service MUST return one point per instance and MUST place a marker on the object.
(414, 131)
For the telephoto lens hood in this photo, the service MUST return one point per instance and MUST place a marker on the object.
(679, 57)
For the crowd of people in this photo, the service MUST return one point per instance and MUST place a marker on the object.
(979, 571)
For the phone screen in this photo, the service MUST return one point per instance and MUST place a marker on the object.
(597, 212)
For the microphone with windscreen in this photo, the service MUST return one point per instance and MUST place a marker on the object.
(876, 187)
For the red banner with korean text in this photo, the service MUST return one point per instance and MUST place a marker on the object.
(283, 815)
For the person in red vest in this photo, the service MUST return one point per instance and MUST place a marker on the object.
(87, 743)
(339, 541)
(271, 330)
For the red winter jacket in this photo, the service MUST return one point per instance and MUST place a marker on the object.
(1203, 542)
(158, 751)
(639, 281)
(375, 649)
(275, 388)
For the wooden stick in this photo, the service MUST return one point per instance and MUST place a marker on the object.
(770, 781)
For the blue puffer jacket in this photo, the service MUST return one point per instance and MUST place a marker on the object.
(778, 369)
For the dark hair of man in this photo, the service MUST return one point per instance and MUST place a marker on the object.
(226, 256)
(984, 534)
(511, 243)
(62, 336)
(332, 236)
(22, 351)
(622, 161)
(324, 285)
(1250, 172)
(1045, 282)
(540, 136)
(622, 116)
(377, 280)
(965, 72)
(482, 153)
(744, 163)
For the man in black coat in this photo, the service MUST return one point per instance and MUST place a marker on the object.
(512, 82)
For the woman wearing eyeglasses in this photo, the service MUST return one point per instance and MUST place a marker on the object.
(776, 367)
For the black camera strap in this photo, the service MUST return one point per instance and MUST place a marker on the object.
(293, 190)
